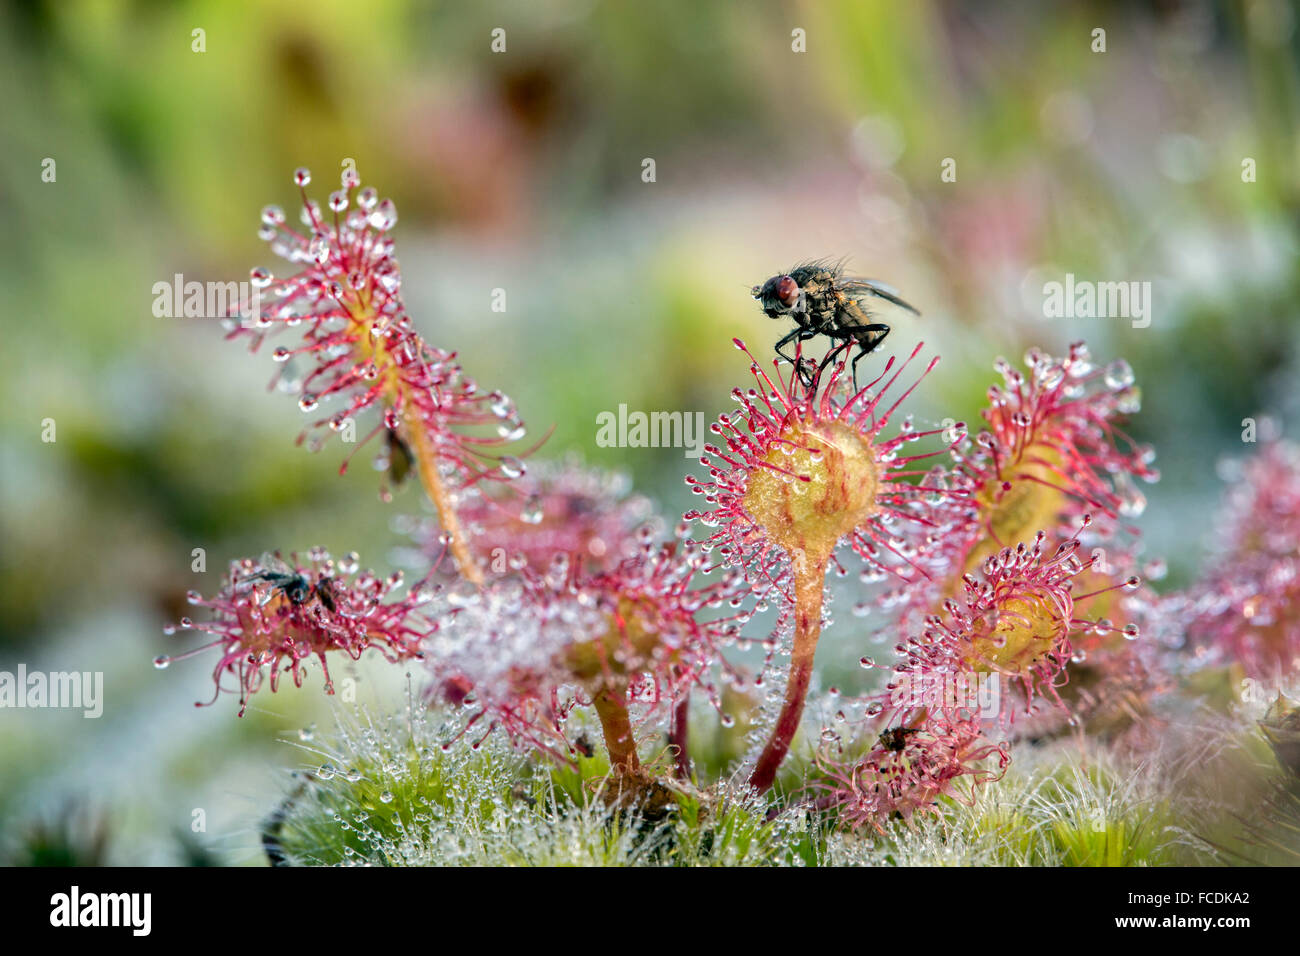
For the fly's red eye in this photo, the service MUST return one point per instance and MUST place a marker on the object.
(787, 290)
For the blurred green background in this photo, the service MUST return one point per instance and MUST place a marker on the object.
(522, 170)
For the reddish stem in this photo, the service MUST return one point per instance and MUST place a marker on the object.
(808, 626)
(677, 737)
(616, 725)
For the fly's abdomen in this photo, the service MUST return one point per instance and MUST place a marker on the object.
(850, 313)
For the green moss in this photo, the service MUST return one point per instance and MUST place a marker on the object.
(387, 793)
(1059, 811)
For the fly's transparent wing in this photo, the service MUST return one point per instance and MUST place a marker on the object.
(274, 564)
(270, 570)
(865, 288)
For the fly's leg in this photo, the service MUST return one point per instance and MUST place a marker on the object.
(797, 335)
(845, 337)
(876, 333)
(786, 340)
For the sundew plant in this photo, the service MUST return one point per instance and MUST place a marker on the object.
(592, 682)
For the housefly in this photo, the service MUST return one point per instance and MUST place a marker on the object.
(292, 584)
(895, 738)
(822, 300)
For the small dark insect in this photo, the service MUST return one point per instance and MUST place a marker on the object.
(583, 746)
(325, 594)
(824, 301)
(295, 586)
(520, 792)
(400, 459)
(895, 738)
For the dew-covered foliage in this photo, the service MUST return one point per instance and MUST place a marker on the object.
(389, 792)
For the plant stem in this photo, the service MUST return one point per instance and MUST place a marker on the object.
(677, 737)
(808, 587)
(611, 708)
(427, 458)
